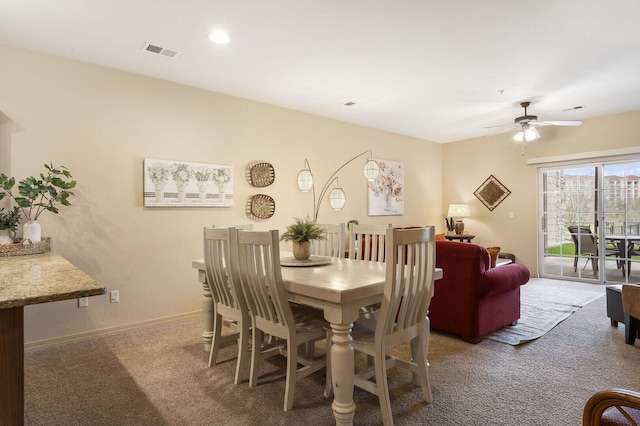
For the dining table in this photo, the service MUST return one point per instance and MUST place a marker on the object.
(623, 243)
(337, 286)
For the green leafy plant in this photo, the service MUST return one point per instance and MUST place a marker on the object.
(9, 221)
(451, 225)
(303, 230)
(39, 195)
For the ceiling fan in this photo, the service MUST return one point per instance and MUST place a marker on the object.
(526, 126)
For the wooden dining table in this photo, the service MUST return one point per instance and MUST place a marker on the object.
(340, 288)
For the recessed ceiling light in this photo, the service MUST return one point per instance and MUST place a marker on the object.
(219, 37)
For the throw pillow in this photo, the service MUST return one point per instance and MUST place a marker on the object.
(440, 237)
(493, 252)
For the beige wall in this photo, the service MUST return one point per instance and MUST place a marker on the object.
(102, 123)
(468, 163)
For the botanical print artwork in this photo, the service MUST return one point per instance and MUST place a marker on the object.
(182, 184)
(386, 193)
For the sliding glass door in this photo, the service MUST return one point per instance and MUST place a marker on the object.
(590, 222)
(621, 213)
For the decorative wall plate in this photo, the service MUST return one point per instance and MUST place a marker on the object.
(261, 207)
(261, 174)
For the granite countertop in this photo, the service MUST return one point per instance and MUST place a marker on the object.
(41, 278)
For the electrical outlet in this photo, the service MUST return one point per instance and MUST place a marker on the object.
(83, 302)
(115, 296)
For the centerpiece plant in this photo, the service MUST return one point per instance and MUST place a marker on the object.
(35, 196)
(301, 232)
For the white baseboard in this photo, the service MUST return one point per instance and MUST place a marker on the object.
(58, 341)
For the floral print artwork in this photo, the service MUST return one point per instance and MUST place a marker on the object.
(182, 184)
(386, 192)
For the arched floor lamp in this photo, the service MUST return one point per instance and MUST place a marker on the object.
(337, 197)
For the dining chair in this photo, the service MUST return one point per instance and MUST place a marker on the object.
(229, 305)
(402, 318)
(366, 242)
(585, 242)
(243, 227)
(333, 244)
(270, 312)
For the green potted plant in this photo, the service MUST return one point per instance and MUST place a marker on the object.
(451, 225)
(8, 224)
(39, 195)
(301, 232)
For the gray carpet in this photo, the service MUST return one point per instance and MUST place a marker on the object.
(158, 376)
(544, 304)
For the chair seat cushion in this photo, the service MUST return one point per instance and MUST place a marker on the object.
(613, 417)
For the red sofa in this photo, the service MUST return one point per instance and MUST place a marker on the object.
(473, 299)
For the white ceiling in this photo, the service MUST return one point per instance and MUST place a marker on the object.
(440, 70)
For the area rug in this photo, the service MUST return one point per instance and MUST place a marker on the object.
(545, 303)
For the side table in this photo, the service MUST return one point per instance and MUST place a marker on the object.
(466, 238)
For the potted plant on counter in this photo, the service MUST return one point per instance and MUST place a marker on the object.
(301, 232)
(8, 224)
(39, 195)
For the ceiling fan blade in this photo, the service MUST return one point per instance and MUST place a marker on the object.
(508, 129)
(563, 123)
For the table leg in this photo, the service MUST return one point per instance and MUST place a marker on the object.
(342, 370)
(207, 312)
(12, 366)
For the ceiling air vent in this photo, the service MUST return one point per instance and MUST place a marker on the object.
(160, 50)
(577, 107)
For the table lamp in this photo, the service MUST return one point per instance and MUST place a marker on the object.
(459, 211)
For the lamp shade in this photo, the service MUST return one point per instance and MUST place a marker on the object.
(459, 210)
(337, 198)
(305, 180)
(371, 170)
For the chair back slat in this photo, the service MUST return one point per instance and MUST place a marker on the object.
(261, 277)
(367, 242)
(333, 244)
(219, 246)
(409, 279)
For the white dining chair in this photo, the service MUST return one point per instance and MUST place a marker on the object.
(229, 305)
(290, 325)
(242, 227)
(366, 242)
(333, 244)
(402, 318)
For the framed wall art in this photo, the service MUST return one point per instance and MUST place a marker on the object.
(386, 192)
(492, 192)
(184, 184)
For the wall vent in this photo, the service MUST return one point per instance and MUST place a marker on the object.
(154, 48)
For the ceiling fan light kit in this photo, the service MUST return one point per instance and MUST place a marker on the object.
(526, 126)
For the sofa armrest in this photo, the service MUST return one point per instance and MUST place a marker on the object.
(504, 278)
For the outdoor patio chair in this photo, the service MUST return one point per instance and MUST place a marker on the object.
(585, 242)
